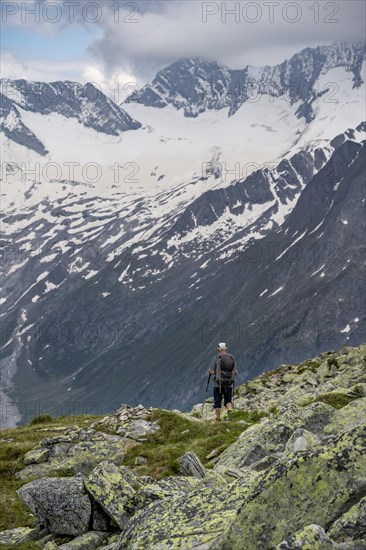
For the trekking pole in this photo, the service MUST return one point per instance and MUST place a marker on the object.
(203, 406)
(233, 393)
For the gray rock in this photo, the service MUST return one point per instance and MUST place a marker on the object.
(301, 440)
(88, 541)
(190, 465)
(139, 460)
(36, 456)
(61, 504)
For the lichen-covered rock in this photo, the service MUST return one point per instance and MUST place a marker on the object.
(196, 520)
(312, 537)
(169, 487)
(352, 525)
(88, 541)
(213, 479)
(61, 504)
(348, 417)
(16, 536)
(297, 383)
(301, 440)
(76, 451)
(36, 456)
(109, 487)
(308, 487)
(271, 437)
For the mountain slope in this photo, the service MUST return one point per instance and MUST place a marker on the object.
(148, 327)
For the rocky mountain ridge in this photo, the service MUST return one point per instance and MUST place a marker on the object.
(196, 85)
(292, 477)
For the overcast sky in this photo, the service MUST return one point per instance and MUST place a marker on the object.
(120, 41)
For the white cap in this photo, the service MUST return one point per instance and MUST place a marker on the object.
(221, 346)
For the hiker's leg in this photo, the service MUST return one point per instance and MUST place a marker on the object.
(217, 403)
(228, 397)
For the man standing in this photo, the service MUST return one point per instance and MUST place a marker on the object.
(224, 370)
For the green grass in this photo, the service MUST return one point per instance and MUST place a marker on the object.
(168, 443)
(249, 416)
(12, 512)
(23, 546)
(338, 400)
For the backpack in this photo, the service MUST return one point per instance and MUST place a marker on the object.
(225, 366)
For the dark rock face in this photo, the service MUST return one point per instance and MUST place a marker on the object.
(14, 129)
(196, 85)
(61, 504)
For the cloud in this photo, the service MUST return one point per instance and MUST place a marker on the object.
(257, 33)
(132, 43)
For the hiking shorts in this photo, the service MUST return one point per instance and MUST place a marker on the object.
(226, 394)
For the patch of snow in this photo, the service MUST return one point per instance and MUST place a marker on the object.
(277, 291)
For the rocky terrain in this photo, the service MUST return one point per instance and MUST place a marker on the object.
(287, 471)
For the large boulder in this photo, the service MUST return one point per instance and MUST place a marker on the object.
(108, 485)
(271, 436)
(348, 417)
(61, 504)
(309, 487)
(195, 520)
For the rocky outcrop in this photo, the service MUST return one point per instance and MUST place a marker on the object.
(81, 450)
(295, 479)
(130, 422)
(271, 436)
(308, 487)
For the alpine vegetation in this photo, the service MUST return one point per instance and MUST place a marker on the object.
(284, 470)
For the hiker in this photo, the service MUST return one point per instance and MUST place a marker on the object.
(224, 370)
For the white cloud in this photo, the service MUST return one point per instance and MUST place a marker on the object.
(165, 31)
(33, 69)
